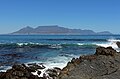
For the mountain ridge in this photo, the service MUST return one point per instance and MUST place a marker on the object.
(55, 29)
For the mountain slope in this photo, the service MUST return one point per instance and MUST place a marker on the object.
(25, 30)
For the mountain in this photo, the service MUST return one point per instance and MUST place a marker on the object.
(25, 30)
(58, 30)
(51, 29)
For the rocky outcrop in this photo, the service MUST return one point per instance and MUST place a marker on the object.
(105, 51)
(104, 64)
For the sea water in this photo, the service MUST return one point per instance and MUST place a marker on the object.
(50, 50)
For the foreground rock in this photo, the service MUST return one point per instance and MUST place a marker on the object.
(104, 64)
(21, 71)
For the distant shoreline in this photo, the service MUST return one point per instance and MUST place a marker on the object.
(65, 34)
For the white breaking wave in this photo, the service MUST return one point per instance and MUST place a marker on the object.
(110, 43)
(4, 68)
(113, 45)
(80, 44)
(21, 44)
(59, 61)
(113, 40)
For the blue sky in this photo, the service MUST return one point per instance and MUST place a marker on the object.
(97, 15)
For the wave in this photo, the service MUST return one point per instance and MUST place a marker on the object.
(59, 61)
(75, 39)
(23, 45)
(109, 42)
(114, 40)
(113, 45)
(44, 46)
(4, 68)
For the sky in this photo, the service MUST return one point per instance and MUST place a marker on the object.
(97, 15)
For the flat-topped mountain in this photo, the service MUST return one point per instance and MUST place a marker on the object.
(57, 30)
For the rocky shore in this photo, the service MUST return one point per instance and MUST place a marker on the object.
(104, 64)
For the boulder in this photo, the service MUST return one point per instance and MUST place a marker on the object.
(53, 73)
(36, 66)
(19, 71)
(105, 51)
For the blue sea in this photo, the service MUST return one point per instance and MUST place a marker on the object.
(50, 50)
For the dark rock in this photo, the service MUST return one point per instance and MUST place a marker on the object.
(118, 44)
(53, 73)
(56, 68)
(39, 72)
(36, 66)
(45, 76)
(105, 51)
(19, 71)
(19, 67)
(2, 74)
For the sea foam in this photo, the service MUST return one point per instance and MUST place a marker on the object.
(59, 61)
(110, 43)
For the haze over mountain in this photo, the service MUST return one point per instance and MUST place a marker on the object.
(54, 29)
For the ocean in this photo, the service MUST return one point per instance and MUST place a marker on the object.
(50, 50)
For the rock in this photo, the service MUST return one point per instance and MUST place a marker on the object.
(118, 44)
(39, 72)
(104, 64)
(53, 73)
(45, 76)
(57, 69)
(36, 66)
(1, 74)
(19, 71)
(19, 67)
(105, 51)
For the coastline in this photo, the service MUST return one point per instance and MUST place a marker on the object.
(104, 63)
